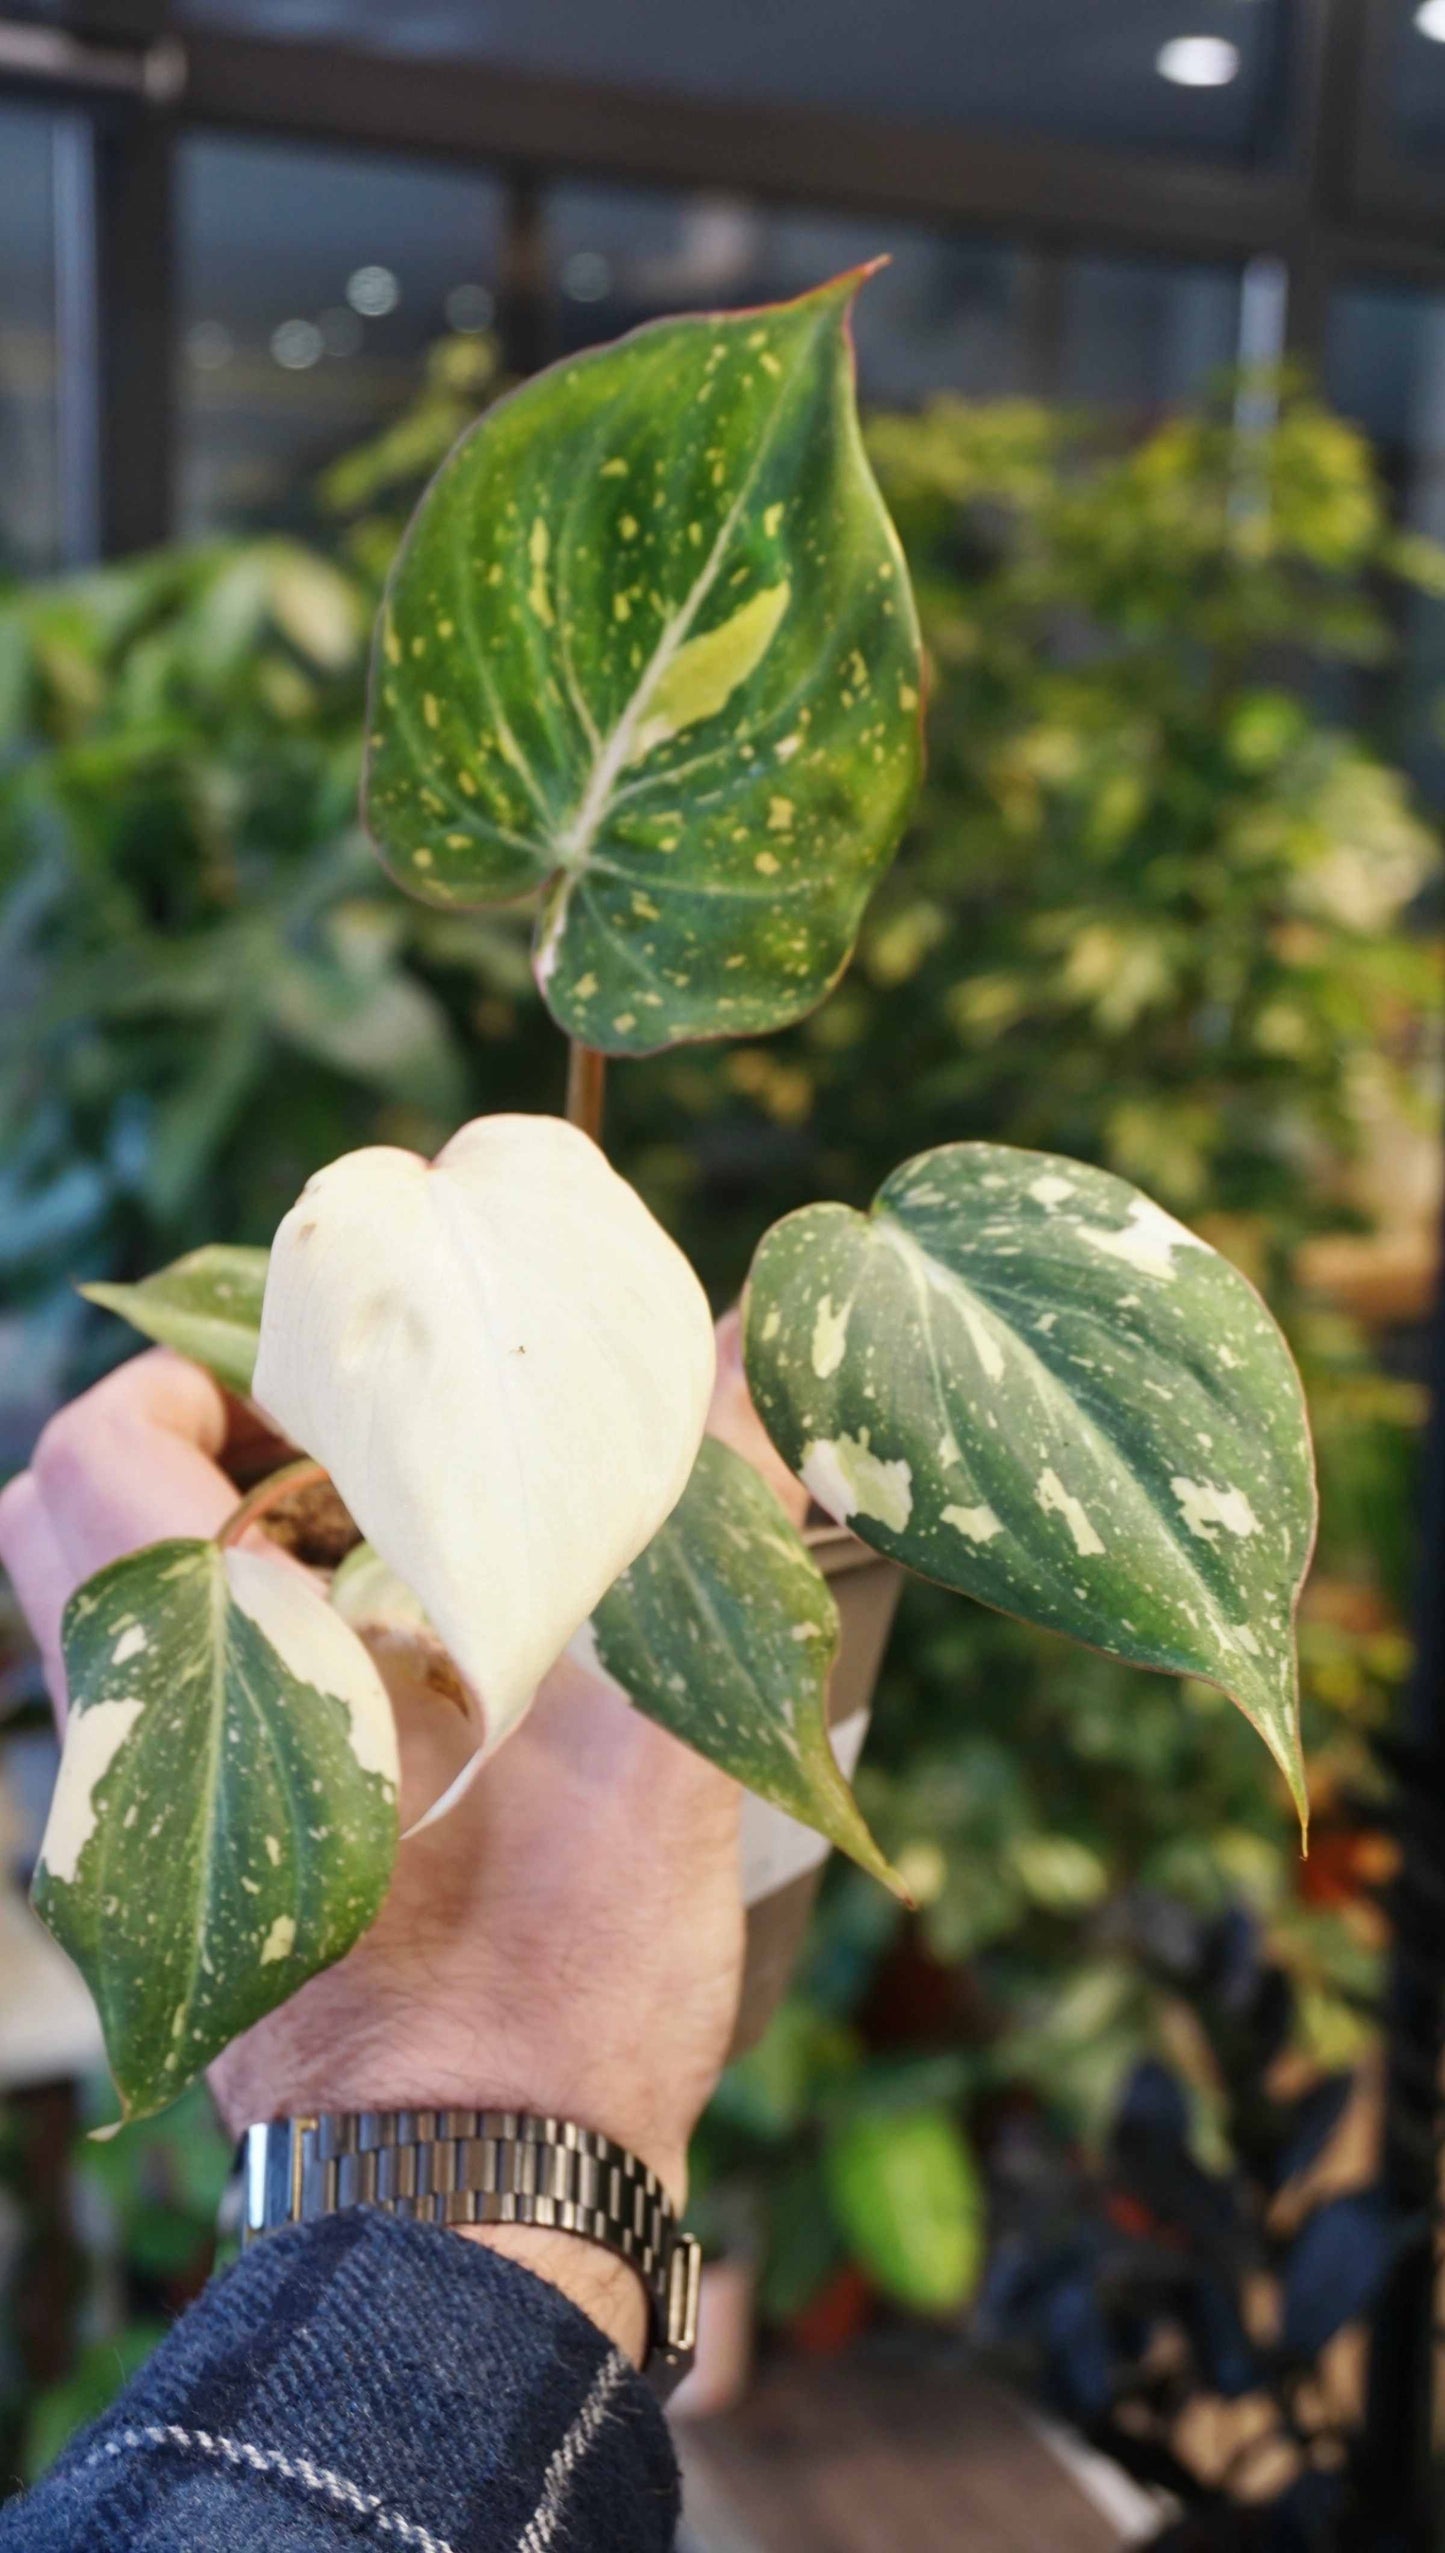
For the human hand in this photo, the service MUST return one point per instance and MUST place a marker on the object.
(567, 1940)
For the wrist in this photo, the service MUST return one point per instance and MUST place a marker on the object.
(597, 2282)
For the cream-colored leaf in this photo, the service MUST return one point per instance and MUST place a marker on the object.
(505, 1365)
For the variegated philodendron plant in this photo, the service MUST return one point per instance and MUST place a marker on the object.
(649, 654)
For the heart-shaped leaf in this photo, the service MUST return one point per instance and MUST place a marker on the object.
(1019, 1376)
(225, 1819)
(651, 642)
(208, 1305)
(724, 1631)
(505, 1365)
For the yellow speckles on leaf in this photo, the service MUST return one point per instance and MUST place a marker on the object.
(858, 669)
(429, 710)
(422, 859)
(786, 747)
(539, 544)
(771, 365)
(280, 1941)
(494, 572)
(586, 988)
(757, 337)
(627, 527)
(446, 629)
(718, 473)
(621, 608)
(625, 1020)
(418, 647)
(767, 863)
(772, 521)
(780, 815)
(668, 841)
(706, 672)
(391, 643)
(694, 534)
(645, 909)
(458, 841)
(466, 783)
(738, 959)
(434, 805)
(614, 469)
(907, 696)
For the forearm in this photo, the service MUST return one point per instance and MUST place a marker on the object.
(367, 2377)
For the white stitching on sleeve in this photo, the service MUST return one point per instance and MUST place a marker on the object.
(239, 2451)
(541, 2527)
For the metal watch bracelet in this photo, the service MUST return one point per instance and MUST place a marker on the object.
(482, 2167)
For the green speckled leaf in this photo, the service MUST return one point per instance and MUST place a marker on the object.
(225, 1819)
(651, 644)
(207, 1304)
(724, 1632)
(1019, 1376)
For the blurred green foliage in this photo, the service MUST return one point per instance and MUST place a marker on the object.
(1152, 913)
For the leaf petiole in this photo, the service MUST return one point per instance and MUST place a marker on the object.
(269, 1493)
(586, 1088)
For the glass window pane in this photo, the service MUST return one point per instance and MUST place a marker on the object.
(1142, 332)
(311, 284)
(1108, 71)
(1386, 368)
(29, 529)
(977, 317)
(941, 313)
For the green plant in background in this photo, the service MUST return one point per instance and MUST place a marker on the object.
(1149, 913)
(140, 2212)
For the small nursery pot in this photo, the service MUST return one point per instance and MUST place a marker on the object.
(783, 1861)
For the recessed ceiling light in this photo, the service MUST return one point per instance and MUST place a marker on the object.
(1203, 61)
(1430, 20)
(373, 290)
(296, 345)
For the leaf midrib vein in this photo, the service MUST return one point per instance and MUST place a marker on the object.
(902, 1242)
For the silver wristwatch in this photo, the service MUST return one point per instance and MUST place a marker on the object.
(483, 2167)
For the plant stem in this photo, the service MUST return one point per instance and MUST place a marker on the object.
(268, 1493)
(586, 1080)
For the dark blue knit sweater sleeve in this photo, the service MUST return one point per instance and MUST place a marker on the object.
(362, 2383)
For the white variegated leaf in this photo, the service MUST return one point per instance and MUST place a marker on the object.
(505, 1365)
(1019, 1376)
(225, 1817)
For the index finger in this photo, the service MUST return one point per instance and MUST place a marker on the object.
(134, 1460)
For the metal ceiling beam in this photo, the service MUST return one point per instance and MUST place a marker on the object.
(1042, 193)
(779, 151)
